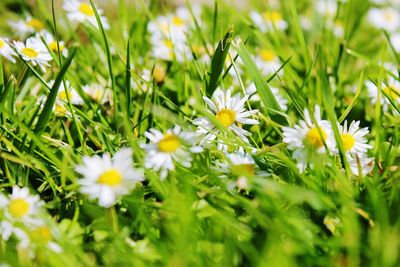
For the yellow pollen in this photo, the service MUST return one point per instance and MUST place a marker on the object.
(41, 235)
(314, 138)
(53, 46)
(243, 170)
(272, 16)
(18, 207)
(36, 24)
(392, 91)
(169, 144)
(29, 52)
(267, 55)
(86, 9)
(177, 21)
(110, 177)
(1, 43)
(226, 117)
(348, 141)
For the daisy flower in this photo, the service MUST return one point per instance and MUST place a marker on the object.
(251, 90)
(267, 61)
(6, 51)
(362, 163)
(326, 8)
(167, 148)
(386, 18)
(395, 40)
(241, 165)
(308, 136)
(353, 139)
(41, 236)
(167, 49)
(21, 206)
(106, 178)
(64, 94)
(98, 93)
(51, 42)
(142, 83)
(390, 91)
(268, 20)
(28, 26)
(80, 11)
(34, 51)
(228, 111)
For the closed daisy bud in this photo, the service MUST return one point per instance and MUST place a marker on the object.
(159, 75)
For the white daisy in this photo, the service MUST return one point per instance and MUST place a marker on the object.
(142, 84)
(308, 136)
(98, 93)
(51, 42)
(228, 111)
(267, 61)
(395, 40)
(353, 139)
(37, 237)
(65, 93)
(81, 11)
(254, 97)
(268, 20)
(242, 166)
(6, 51)
(386, 18)
(28, 26)
(363, 163)
(166, 49)
(21, 206)
(106, 178)
(390, 91)
(326, 8)
(166, 149)
(34, 51)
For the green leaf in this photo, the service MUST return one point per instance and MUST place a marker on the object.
(218, 62)
(263, 89)
(48, 105)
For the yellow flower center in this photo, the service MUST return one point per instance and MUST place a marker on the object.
(63, 96)
(60, 110)
(168, 43)
(29, 52)
(53, 46)
(243, 170)
(389, 16)
(18, 207)
(314, 138)
(36, 24)
(177, 21)
(1, 43)
(226, 117)
(110, 177)
(272, 16)
(86, 9)
(169, 144)
(267, 55)
(41, 235)
(348, 141)
(392, 91)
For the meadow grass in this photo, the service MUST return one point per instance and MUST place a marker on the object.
(200, 215)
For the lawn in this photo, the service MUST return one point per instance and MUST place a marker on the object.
(147, 133)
